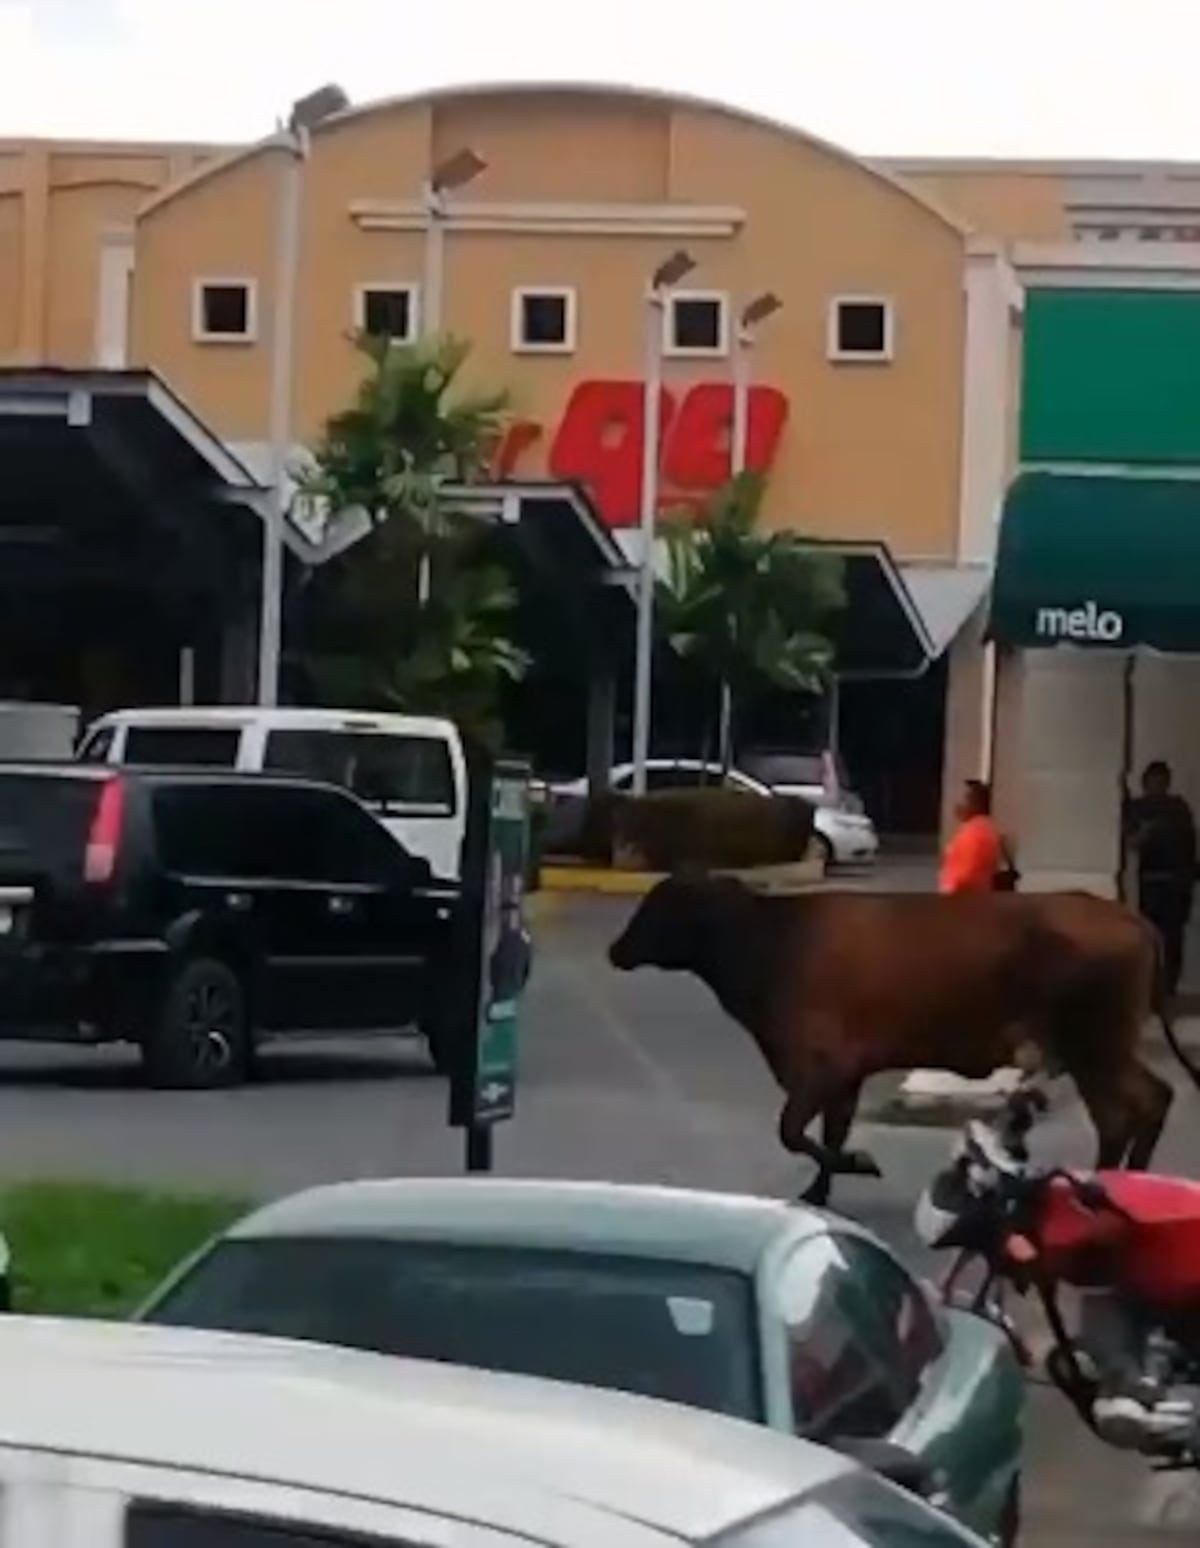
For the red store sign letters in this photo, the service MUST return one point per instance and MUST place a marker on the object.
(598, 442)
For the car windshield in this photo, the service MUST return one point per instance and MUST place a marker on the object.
(787, 768)
(856, 1509)
(681, 1331)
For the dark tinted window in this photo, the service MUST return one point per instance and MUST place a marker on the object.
(151, 1524)
(842, 1385)
(44, 824)
(387, 314)
(685, 1332)
(259, 832)
(407, 773)
(214, 747)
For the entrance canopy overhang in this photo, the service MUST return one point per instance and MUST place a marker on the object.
(899, 618)
(110, 479)
(1099, 561)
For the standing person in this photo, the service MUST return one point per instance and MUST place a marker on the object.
(975, 855)
(1162, 834)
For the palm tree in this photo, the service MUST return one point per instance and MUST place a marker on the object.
(747, 606)
(427, 612)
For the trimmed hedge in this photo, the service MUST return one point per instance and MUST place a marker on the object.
(712, 827)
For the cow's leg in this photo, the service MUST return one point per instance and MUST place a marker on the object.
(1151, 1098)
(836, 1123)
(1105, 1095)
(799, 1111)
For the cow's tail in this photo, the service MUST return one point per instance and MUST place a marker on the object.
(1160, 1006)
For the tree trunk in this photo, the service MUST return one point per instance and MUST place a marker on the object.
(725, 727)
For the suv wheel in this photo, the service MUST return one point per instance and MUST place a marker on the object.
(200, 1035)
(437, 1041)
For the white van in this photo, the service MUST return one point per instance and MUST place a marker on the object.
(409, 769)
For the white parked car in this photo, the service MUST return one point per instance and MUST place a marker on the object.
(119, 1436)
(409, 769)
(844, 832)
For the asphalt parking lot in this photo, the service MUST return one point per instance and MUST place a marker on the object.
(627, 1078)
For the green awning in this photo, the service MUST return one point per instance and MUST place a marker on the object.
(1099, 561)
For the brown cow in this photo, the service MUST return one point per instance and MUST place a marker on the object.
(836, 987)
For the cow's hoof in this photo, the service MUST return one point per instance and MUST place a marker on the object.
(816, 1194)
(857, 1163)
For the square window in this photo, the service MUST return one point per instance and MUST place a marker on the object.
(388, 312)
(543, 320)
(860, 328)
(696, 324)
(223, 311)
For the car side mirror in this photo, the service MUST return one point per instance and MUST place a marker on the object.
(416, 871)
(897, 1464)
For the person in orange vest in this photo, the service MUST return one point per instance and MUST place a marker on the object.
(976, 858)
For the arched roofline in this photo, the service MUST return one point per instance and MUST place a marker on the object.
(353, 115)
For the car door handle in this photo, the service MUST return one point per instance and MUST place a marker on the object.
(340, 906)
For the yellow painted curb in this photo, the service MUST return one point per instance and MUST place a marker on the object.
(635, 884)
(583, 878)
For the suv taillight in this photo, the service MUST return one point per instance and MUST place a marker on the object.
(104, 835)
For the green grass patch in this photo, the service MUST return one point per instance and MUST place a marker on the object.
(84, 1251)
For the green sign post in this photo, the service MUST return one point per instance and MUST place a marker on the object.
(495, 954)
(506, 952)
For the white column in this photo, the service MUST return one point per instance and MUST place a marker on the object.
(114, 279)
(991, 356)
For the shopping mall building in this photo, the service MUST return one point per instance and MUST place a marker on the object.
(977, 389)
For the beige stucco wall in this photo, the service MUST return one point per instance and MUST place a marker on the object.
(1011, 205)
(870, 450)
(56, 200)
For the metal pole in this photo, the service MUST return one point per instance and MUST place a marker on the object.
(287, 260)
(435, 262)
(740, 431)
(187, 675)
(651, 410)
(431, 323)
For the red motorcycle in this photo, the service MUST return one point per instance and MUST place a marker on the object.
(1127, 1242)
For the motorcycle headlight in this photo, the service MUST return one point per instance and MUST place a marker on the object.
(943, 1207)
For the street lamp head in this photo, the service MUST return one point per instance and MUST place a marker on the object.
(760, 309)
(457, 171)
(678, 266)
(317, 106)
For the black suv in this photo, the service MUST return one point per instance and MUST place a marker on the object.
(195, 914)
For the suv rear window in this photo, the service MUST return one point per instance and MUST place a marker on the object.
(44, 823)
(402, 773)
(203, 747)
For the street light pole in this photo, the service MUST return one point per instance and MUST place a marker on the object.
(755, 312)
(454, 172)
(667, 275)
(291, 145)
(752, 314)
